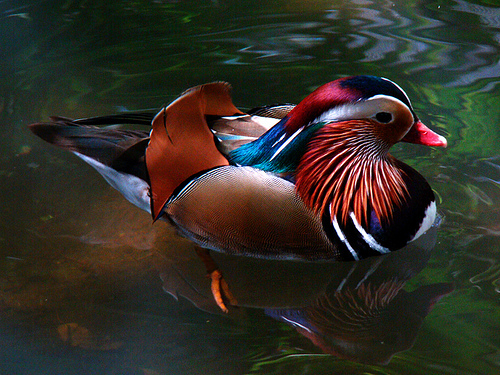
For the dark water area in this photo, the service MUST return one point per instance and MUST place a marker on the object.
(89, 286)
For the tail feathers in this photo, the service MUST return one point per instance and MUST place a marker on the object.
(122, 150)
(136, 118)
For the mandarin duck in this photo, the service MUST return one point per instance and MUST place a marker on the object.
(311, 181)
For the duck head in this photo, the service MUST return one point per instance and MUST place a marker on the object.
(378, 103)
(336, 145)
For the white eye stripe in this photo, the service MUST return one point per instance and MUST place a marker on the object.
(390, 98)
(393, 99)
(337, 113)
(358, 110)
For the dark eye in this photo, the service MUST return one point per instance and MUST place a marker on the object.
(384, 117)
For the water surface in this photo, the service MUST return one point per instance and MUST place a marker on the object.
(85, 278)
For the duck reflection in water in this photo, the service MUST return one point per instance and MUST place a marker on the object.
(353, 310)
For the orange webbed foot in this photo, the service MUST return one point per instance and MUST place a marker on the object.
(219, 286)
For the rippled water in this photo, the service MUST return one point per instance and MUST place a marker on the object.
(86, 281)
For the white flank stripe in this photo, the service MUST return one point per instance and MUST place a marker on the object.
(287, 142)
(344, 239)
(368, 238)
(429, 218)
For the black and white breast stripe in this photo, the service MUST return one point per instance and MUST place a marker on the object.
(360, 244)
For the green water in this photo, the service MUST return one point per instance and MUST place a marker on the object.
(83, 273)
